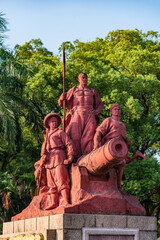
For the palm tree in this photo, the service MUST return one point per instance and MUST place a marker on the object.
(9, 126)
(3, 27)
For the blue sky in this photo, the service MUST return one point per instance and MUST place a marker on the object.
(57, 21)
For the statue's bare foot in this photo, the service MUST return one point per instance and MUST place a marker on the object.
(139, 154)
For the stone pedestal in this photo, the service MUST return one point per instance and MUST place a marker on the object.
(86, 227)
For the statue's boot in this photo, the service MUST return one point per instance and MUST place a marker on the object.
(49, 201)
(64, 198)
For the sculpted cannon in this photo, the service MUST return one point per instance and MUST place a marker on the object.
(101, 160)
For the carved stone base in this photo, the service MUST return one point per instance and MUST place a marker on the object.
(89, 195)
(85, 227)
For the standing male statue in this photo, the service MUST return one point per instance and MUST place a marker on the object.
(51, 170)
(111, 128)
(84, 105)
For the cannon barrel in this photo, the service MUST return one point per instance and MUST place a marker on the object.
(101, 160)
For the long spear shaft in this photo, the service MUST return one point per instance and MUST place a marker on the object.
(64, 102)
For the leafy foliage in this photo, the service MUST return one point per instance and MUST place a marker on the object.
(3, 27)
(145, 185)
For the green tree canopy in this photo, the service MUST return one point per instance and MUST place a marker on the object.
(124, 68)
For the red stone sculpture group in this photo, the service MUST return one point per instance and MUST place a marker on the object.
(81, 169)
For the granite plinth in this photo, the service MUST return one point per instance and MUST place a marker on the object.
(72, 226)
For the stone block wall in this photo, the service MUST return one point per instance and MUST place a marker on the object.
(72, 226)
